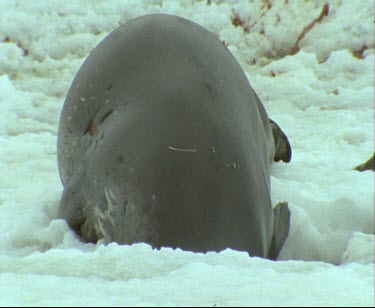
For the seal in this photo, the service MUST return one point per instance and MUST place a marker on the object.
(162, 140)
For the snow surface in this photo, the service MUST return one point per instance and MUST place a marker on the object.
(322, 97)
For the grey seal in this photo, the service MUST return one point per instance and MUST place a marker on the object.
(162, 140)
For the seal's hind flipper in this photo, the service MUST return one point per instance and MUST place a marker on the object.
(283, 150)
(281, 224)
(368, 165)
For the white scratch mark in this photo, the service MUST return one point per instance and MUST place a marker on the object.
(182, 150)
(233, 166)
(107, 214)
(100, 229)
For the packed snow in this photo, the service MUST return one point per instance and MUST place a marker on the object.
(322, 96)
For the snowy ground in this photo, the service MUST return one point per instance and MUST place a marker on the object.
(322, 97)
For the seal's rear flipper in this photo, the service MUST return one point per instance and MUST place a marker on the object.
(283, 150)
(281, 224)
(368, 165)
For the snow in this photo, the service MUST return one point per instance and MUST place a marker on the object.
(322, 97)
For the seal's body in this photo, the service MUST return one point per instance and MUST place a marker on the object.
(162, 140)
